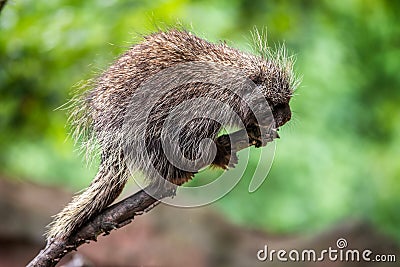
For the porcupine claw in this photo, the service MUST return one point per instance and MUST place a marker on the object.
(255, 138)
(274, 133)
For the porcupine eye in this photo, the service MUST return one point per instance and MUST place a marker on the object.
(257, 80)
(281, 110)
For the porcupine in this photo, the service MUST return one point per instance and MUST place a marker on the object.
(99, 112)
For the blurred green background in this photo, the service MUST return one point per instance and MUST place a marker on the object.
(338, 158)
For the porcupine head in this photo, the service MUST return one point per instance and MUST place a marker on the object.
(159, 107)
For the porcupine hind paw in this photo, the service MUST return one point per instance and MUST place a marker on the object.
(225, 157)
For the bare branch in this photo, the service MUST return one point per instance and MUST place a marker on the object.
(114, 217)
(120, 214)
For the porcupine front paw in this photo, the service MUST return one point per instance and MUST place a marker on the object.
(254, 134)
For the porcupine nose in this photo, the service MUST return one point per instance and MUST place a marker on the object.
(282, 114)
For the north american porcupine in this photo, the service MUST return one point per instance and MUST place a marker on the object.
(100, 113)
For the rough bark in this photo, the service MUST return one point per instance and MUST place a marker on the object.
(118, 215)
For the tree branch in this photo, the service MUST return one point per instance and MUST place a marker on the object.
(121, 213)
(114, 217)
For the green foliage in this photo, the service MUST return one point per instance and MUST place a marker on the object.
(338, 158)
